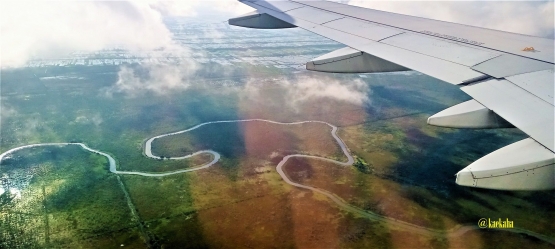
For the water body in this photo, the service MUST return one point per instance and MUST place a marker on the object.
(394, 223)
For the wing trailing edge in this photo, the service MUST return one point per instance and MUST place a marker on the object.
(259, 20)
(349, 60)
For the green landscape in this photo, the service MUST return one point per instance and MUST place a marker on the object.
(66, 197)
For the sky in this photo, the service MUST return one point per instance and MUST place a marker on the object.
(525, 17)
(47, 29)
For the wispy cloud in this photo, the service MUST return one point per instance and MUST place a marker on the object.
(305, 89)
(159, 79)
(95, 119)
(309, 88)
(6, 112)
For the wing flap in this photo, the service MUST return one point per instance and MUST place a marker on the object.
(363, 29)
(540, 83)
(509, 65)
(444, 70)
(445, 50)
(524, 110)
(314, 15)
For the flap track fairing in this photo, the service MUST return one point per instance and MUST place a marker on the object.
(349, 60)
(257, 20)
(524, 165)
(469, 114)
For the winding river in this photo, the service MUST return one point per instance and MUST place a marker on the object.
(453, 232)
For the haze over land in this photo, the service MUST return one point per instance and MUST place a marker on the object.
(161, 73)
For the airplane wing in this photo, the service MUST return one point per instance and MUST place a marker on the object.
(509, 76)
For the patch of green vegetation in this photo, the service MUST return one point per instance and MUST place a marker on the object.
(504, 240)
(182, 231)
(362, 165)
(364, 233)
(158, 197)
(231, 167)
(5, 199)
(69, 196)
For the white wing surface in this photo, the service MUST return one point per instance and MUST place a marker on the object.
(510, 76)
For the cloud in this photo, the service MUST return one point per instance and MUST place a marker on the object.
(159, 79)
(21, 131)
(54, 29)
(95, 119)
(304, 89)
(310, 88)
(231, 7)
(6, 112)
(175, 8)
(29, 130)
(198, 8)
(526, 17)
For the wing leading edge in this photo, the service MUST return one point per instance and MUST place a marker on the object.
(510, 76)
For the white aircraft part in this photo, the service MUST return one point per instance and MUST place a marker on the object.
(445, 50)
(539, 83)
(348, 60)
(508, 65)
(524, 110)
(259, 21)
(524, 165)
(441, 69)
(314, 16)
(469, 114)
(507, 42)
(363, 29)
(444, 70)
(281, 6)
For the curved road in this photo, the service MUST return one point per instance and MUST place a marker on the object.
(453, 232)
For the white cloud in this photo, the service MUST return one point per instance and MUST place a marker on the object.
(233, 7)
(153, 78)
(95, 119)
(310, 88)
(175, 8)
(200, 7)
(303, 89)
(526, 17)
(6, 112)
(53, 29)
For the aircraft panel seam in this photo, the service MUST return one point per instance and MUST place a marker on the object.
(423, 33)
